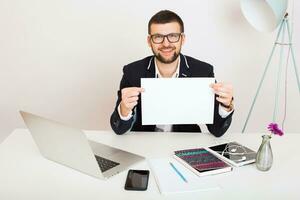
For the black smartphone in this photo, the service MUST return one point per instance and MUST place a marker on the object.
(137, 180)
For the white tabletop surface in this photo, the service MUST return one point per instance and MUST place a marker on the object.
(25, 174)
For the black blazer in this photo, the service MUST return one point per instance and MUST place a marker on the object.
(145, 68)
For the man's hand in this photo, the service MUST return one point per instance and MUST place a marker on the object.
(224, 92)
(129, 99)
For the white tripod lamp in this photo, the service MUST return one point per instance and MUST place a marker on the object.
(264, 15)
(267, 15)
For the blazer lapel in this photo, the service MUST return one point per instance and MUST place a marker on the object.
(150, 71)
(184, 70)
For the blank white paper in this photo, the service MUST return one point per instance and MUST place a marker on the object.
(177, 101)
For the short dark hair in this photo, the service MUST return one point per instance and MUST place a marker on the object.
(165, 16)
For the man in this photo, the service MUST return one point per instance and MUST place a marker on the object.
(166, 37)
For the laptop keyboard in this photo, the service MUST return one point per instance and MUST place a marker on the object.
(105, 164)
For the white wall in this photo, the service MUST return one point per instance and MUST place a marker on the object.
(63, 59)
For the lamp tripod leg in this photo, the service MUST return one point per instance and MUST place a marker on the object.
(262, 78)
(293, 55)
(279, 71)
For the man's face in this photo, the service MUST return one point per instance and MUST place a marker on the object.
(166, 51)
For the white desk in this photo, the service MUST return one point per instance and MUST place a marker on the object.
(25, 174)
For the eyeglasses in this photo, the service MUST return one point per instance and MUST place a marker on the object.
(159, 38)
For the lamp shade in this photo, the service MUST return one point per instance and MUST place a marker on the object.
(264, 15)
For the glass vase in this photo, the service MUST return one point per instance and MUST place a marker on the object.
(264, 156)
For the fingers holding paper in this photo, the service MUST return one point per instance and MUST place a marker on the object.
(224, 92)
(129, 99)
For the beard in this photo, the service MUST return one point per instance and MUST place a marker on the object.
(159, 57)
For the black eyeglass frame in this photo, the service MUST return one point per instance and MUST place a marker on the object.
(166, 36)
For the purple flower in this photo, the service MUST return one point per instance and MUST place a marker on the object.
(273, 127)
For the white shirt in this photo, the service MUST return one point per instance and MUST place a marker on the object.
(168, 128)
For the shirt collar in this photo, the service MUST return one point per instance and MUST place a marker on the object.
(176, 73)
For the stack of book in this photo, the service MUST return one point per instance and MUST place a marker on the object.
(201, 161)
(215, 159)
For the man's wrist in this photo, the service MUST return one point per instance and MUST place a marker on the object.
(228, 107)
(122, 115)
(223, 112)
(124, 112)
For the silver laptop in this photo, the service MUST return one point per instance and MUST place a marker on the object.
(70, 147)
